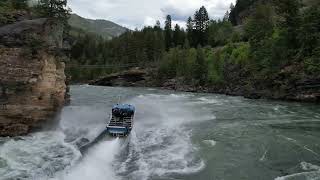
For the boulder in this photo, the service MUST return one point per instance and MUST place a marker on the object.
(43, 31)
(132, 77)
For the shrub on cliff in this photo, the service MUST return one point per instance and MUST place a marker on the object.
(9, 9)
(240, 53)
(20, 4)
(200, 67)
(56, 9)
(215, 67)
(259, 29)
(310, 31)
(220, 32)
(190, 64)
(11, 5)
(237, 54)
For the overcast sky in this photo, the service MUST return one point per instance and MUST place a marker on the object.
(139, 13)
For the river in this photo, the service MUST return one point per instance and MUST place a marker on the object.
(176, 136)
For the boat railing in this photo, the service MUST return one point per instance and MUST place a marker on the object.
(124, 122)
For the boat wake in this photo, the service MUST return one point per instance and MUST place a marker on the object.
(312, 173)
(97, 163)
(37, 156)
(160, 145)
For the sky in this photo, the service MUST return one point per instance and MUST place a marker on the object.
(139, 13)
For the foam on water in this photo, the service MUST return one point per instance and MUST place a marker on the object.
(97, 164)
(54, 154)
(205, 100)
(87, 122)
(159, 154)
(37, 155)
(210, 143)
(79, 121)
(313, 173)
(308, 166)
(161, 143)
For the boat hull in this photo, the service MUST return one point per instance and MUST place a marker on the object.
(103, 136)
(118, 131)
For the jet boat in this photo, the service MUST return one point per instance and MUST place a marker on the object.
(120, 125)
(121, 121)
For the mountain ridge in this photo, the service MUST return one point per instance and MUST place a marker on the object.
(104, 28)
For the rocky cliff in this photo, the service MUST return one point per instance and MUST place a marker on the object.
(245, 8)
(32, 80)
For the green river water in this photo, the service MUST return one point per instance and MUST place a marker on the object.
(176, 136)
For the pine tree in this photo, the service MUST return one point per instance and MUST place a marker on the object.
(157, 25)
(200, 69)
(310, 31)
(178, 36)
(19, 4)
(289, 10)
(219, 33)
(226, 16)
(259, 29)
(186, 44)
(201, 19)
(168, 32)
(56, 9)
(190, 30)
(232, 15)
(158, 46)
(260, 25)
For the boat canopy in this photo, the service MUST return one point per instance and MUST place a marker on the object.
(123, 110)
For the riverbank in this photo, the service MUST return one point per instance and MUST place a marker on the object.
(283, 87)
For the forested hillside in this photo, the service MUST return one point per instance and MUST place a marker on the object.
(274, 54)
(103, 28)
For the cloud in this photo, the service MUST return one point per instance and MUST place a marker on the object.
(149, 21)
(139, 13)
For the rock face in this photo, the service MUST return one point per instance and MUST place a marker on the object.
(248, 7)
(32, 79)
(132, 77)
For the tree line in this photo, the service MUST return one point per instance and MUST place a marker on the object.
(275, 35)
(148, 46)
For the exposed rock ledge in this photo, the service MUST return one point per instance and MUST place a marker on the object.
(135, 77)
(32, 80)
